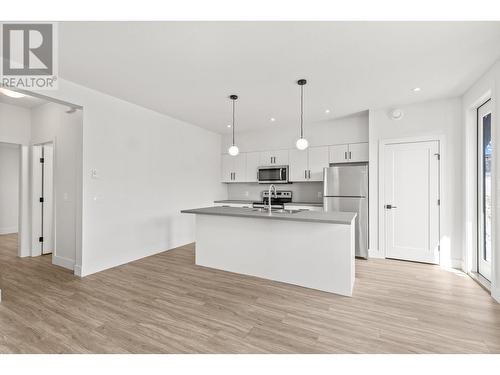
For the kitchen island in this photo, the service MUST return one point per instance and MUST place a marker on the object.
(306, 248)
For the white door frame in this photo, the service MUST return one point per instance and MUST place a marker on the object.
(35, 251)
(381, 191)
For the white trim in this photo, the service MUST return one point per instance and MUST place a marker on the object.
(457, 264)
(63, 262)
(381, 182)
(495, 293)
(376, 254)
(470, 191)
(78, 270)
(8, 230)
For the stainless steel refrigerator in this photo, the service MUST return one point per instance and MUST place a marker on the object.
(346, 189)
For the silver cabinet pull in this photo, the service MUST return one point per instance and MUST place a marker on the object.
(345, 155)
(305, 174)
(349, 155)
(309, 174)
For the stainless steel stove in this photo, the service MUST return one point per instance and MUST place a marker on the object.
(277, 201)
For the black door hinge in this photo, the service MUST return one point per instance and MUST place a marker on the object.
(42, 160)
(40, 239)
(439, 202)
(438, 156)
(41, 199)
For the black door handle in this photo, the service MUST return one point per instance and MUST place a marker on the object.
(389, 207)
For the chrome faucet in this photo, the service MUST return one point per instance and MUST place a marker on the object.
(269, 197)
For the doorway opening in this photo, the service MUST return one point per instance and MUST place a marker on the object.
(484, 190)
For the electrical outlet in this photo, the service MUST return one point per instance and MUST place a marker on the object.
(320, 194)
(246, 193)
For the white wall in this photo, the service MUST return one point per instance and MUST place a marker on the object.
(9, 187)
(484, 88)
(441, 117)
(150, 166)
(51, 123)
(350, 129)
(15, 124)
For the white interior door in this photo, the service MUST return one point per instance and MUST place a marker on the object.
(484, 189)
(411, 201)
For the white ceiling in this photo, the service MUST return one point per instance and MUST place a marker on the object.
(188, 69)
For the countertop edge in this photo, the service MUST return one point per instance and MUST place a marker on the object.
(288, 217)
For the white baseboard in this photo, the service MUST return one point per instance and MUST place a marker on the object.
(78, 270)
(8, 230)
(495, 293)
(374, 253)
(63, 262)
(457, 264)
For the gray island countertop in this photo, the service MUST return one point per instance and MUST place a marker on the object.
(246, 201)
(309, 216)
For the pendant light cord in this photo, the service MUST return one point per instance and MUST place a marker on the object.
(233, 121)
(301, 111)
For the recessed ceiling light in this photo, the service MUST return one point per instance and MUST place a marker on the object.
(327, 111)
(12, 94)
(229, 126)
(272, 119)
(416, 89)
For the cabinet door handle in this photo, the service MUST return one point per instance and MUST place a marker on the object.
(349, 155)
(234, 176)
(345, 155)
(309, 174)
(305, 174)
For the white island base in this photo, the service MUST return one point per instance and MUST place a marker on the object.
(316, 255)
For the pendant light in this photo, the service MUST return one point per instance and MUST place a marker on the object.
(233, 150)
(302, 143)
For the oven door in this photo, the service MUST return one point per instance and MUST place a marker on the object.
(273, 175)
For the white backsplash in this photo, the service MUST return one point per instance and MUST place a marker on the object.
(301, 191)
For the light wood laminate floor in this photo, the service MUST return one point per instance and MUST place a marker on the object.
(166, 304)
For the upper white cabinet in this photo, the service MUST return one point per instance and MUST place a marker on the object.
(358, 152)
(318, 159)
(348, 153)
(339, 153)
(307, 165)
(277, 157)
(233, 168)
(253, 163)
(299, 165)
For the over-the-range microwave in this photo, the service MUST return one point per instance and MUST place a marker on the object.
(273, 174)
